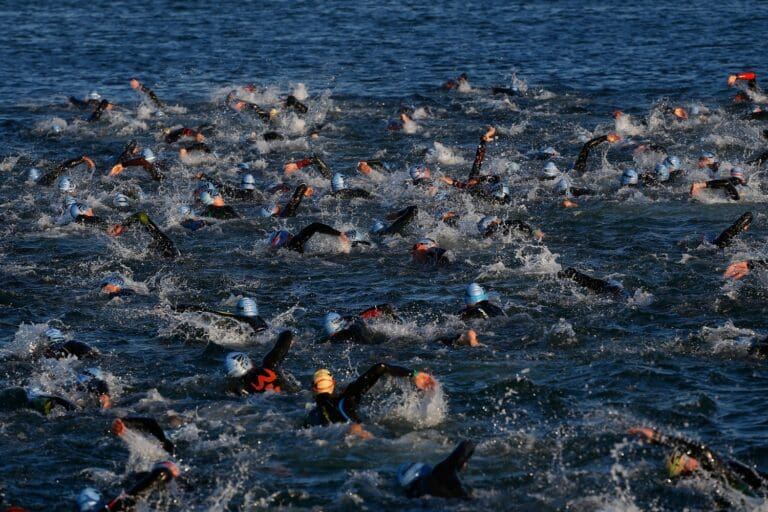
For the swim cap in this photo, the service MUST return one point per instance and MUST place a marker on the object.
(247, 307)
(672, 162)
(94, 96)
(148, 155)
(474, 294)
(354, 235)
(78, 209)
(708, 155)
(206, 197)
(377, 227)
(428, 243)
(89, 498)
(629, 177)
(114, 280)
(237, 364)
(69, 200)
(409, 472)
(33, 174)
(549, 150)
(418, 172)
(486, 222)
(66, 185)
(121, 201)
(244, 166)
(737, 172)
(662, 172)
(279, 238)
(551, 170)
(90, 374)
(248, 182)
(269, 211)
(185, 210)
(322, 381)
(54, 334)
(337, 182)
(499, 190)
(563, 185)
(332, 323)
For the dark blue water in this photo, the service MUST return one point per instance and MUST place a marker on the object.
(548, 396)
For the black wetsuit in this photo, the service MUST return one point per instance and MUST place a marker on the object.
(298, 106)
(152, 168)
(402, 219)
(71, 348)
(581, 161)
(354, 331)
(17, 398)
(223, 212)
(351, 193)
(726, 237)
(176, 135)
(318, 163)
(90, 220)
(509, 227)
(293, 203)
(481, 310)
(127, 500)
(738, 475)
(149, 426)
(296, 243)
(231, 192)
(343, 407)
(433, 256)
(255, 322)
(443, 480)
(84, 104)
(269, 376)
(152, 96)
(160, 240)
(49, 178)
(263, 114)
(197, 147)
(591, 283)
(130, 151)
(100, 108)
(728, 184)
(479, 157)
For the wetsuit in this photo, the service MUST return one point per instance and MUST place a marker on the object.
(353, 331)
(269, 376)
(271, 136)
(380, 311)
(432, 256)
(479, 157)
(71, 348)
(508, 227)
(231, 192)
(728, 184)
(176, 135)
(351, 193)
(152, 96)
(145, 425)
(84, 104)
(293, 203)
(738, 475)
(90, 220)
(255, 322)
(592, 283)
(318, 164)
(130, 151)
(343, 407)
(161, 473)
(296, 243)
(759, 348)
(160, 240)
(726, 237)
(100, 108)
(154, 169)
(581, 161)
(197, 147)
(15, 398)
(239, 105)
(298, 106)
(481, 310)
(223, 212)
(443, 480)
(49, 178)
(402, 219)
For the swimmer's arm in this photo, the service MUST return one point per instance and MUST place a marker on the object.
(278, 353)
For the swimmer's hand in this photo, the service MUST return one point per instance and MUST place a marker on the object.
(424, 381)
(488, 136)
(115, 230)
(290, 167)
(737, 270)
(357, 430)
(116, 169)
(644, 432)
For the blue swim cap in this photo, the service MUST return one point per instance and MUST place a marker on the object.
(66, 185)
(377, 227)
(672, 162)
(708, 155)
(206, 197)
(247, 307)
(332, 323)
(563, 185)
(474, 294)
(78, 209)
(662, 172)
(237, 364)
(354, 235)
(185, 210)
(54, 334)
(69, 200)
(121, 201)
(409, 472)
(737, 172)
(629, 177)
(114, 279)
(499, 190)
(244, 166)
(33, 174)
(89, 499)
(148, 155)
(337, 182)
(269, 211)
(248, 182)
(551, 170)
(279, 238)
(417, 172)
(94, 96)
(486, 222)
(89, 374)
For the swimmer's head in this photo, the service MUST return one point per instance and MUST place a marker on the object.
(474, 294)
(418, 172)
(708, 159)
(410, 472)
(424, 244)
(148, 155)
(279, 238)
(563, 185)
(66, 185)
(269, 211)
(354, 235)
(338, 183)
(551, 171)
(487, 223)
(121, 201)
(672, 162)
(79, 209)
(377, 227)
(33, 174)
(248, 182)
(237, 364)
(662, 172)
(332, 323)
(54, 335)
(246, 306)
(322, 382)
(113, 283)
(629, 177)
(89, 499)
(738, 173)
(94, 96)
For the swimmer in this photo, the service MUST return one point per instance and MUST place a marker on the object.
(317, 162)
(401, 220)
(581, 161)
(246, 192)
(90, 500)
(419, 479)
(289, 210)
(93, 381)
(63, 167)
(428, 252)
(726, 237)
(292, 102)
(91, 101)
(20, 398)
(145, 426)
(491, 225)
(138, 86)
(102, 107)
(487, 137)
(195, 147)
(114, 286)
(368, 166)
(60, 348)
(283, 238)
(183, 134)
(190, 221)
(246, 312)
(351, 329)
(342, 407)
(240, 105)
(209, 197)
(81, 213)
(591, 283)
(341, 190)
(477, 305)
(244, 378)
(147, 161)
(160, 241)
(709, 161)
(727, 184)
(689, 457)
